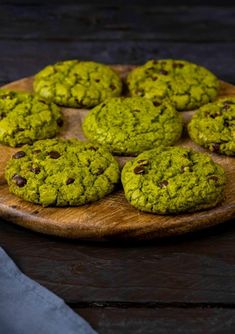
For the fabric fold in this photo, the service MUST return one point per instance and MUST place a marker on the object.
(26, 307)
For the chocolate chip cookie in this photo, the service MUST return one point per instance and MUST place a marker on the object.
(25, 118)
(128, 126)
(213, 126)
(58, 172)
(173, 180)
(79, 84)
(187, 85)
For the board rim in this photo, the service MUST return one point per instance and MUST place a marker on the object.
(70, 230)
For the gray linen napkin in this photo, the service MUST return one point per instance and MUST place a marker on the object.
(28, 308)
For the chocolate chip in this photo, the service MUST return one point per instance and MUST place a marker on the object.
(154, 78)
(60, 122)
(143, 162)
(97, 80)
(2, 115)
(178, 65)
(216, 147)
(226, 106)
(226, 124)
(213, 177)
(70, 181)
(92, 148)
(164, 72)
(154, 62)
(21, 129)
(163, 184)
(100, 171)
(139, 170)
(54, 154)
(156, 104)
(150, 69)
(215, 115)
(35, 170)
(19, 154)
(112, 86)
(135, 110)
(20, 181)
(36, 151)
(42, 101)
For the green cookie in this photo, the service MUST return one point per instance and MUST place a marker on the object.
(57, 172)
(128, 126)
(213, 126)
(79, 84)
(173, 180)
(25, 118)
(186, 84)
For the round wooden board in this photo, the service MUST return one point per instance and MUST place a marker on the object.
(112, 217)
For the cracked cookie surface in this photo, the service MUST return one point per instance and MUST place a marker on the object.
(173, 180)
(128, 126)
(79, 84)
(213, 126)
(187, 85)
(57, 172)
(25, 118)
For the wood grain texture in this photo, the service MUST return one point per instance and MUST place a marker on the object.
(38, 33)
(116, 22)
(161, 320)
(193, 268)
(196, 269)
(112, 217)
(21, 58)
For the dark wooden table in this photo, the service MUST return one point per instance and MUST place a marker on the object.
(182, 285)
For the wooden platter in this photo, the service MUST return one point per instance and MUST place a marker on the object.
(113, 217)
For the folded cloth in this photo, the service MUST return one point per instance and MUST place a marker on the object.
(26, 307)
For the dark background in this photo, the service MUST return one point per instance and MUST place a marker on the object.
(33, 34)
(182, 285)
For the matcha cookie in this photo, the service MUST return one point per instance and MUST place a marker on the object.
(173, 180)
(129, 126)
(57, 172)
(25, 118)
(76, 83)
(187, 85)
(213, 126)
